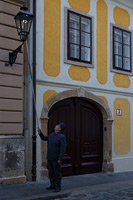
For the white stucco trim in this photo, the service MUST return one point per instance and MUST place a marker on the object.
(127, 3)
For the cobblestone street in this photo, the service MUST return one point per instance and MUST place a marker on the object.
(98, 186)
(110, 191)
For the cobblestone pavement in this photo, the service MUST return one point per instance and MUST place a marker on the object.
(110, 191)
(98, 186)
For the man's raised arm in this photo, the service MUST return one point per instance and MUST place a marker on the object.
(42, 136)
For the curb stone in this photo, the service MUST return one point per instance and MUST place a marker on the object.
(46, 197)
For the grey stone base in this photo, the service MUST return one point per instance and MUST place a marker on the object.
(44, 174)
(108, 167)
(12, 167)
(13, 180)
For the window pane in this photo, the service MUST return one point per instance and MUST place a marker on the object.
(126, 51)
(85, 54)
(74, 21)
(126, 38)
(118, 48)
(117, 35)
(73, 36)
(85, 24)
(74, 51)
(126, 63)
(118, 61)
(85, 39)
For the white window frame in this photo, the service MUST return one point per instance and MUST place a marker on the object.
(66, 60)
(111, 50)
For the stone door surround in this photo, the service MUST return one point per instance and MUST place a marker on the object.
(107, 123)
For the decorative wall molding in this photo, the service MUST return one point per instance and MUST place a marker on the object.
(127, 3)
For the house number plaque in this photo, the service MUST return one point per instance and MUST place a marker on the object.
(118, 112)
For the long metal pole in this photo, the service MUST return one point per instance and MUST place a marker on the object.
(34, 85)
(32, 73)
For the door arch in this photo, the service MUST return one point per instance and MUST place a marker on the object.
(107, 165)
(84, 135)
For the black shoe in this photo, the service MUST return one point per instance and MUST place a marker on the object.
(50, 188)
(57, 189)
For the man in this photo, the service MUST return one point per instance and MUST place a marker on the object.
(55, 152)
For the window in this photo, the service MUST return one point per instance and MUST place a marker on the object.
(121, 43)
(78, 38)
(122, 49)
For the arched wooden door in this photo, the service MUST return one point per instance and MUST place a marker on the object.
(84, 135)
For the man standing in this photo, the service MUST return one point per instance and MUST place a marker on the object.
(55, 152)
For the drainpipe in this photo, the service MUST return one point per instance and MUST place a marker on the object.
(34, 87)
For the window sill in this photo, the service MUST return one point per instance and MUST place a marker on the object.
(121, 72)
(82, 64)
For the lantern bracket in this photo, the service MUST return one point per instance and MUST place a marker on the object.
(13, 55)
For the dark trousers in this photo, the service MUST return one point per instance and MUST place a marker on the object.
(54, 173)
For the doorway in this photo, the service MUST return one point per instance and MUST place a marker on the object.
(84, 135)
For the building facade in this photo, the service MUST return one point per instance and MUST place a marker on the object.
(17, 127)
(12, 143)
(84, 78)
(80, 53)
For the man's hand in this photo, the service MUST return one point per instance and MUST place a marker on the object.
(39, 131)
(59, 162)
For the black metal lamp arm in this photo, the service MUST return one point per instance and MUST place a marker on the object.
(13, 55)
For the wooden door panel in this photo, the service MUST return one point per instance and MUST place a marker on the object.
(63, 112)
(91, 138)
(90, 167)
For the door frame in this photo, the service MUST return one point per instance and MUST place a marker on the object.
(107, 165)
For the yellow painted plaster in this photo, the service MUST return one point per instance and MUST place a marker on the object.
(102, 32)
(104, 98)
(121, 17)
(52, 37)
(47, 95)
(121, 80)
(83, 6)
(122, 127)
(79, 73)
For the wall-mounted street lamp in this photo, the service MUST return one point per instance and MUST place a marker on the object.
(23, 23)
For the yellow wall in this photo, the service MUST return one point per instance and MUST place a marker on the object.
(121, 123)
(102, 32)
(52, 37)
(47, 95)
(79, 73)
(122, 127)
(81, 5)
(121, 80)
(122, 18)
(104, 98)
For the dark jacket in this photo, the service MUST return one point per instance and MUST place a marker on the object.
(56, 145)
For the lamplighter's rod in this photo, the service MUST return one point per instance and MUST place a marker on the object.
(25, 3)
